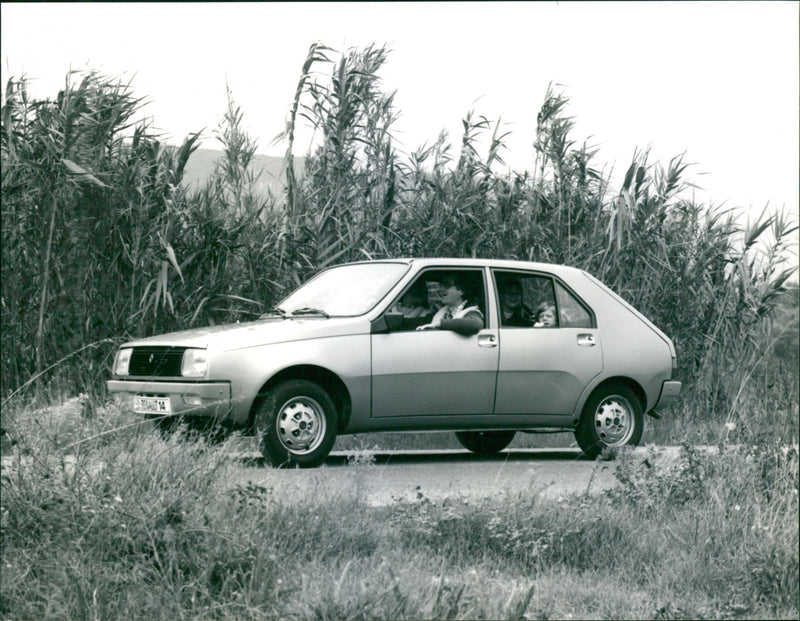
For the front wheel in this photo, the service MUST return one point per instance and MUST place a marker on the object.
(296, 424)
(485, 442)
(612, 416)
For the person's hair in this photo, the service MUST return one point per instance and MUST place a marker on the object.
(463, 284)
(509, 283)
(543, 307)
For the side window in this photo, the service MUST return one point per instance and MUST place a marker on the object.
(526, 300)
(571, 313)
(420, 302)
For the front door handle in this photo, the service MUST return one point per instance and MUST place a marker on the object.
(586, 340)
(487, 340)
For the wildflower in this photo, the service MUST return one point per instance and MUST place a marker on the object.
(117, 498)
(730, 426)
(737, 508)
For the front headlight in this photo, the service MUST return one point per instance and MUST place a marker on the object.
(194, 363)
(122, 361)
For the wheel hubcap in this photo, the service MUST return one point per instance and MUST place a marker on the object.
(613, 421)
(301, 425)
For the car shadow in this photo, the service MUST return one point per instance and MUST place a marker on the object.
(338, 459)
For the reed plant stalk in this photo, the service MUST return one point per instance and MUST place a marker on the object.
(126, 250)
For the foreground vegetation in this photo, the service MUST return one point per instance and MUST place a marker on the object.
(136, 526)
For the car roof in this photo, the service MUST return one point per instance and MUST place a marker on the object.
(509, 264)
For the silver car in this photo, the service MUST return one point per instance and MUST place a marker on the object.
(484, 348)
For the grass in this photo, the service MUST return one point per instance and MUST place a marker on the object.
(134, 525)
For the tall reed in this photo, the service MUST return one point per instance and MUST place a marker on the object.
(102, 241)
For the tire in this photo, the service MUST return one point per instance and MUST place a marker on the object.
(612, 417)
(485, 442)
(296, 424)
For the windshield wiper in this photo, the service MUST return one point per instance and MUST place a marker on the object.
(274, 311)
(307, 310)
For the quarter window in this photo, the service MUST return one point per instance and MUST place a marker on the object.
(571, 313)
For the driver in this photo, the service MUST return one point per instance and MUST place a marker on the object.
(460, 313)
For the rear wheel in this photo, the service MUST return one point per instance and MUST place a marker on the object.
(485, 442)
(613, 417)
(296, 424)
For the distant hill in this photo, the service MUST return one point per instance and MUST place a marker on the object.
(203, 161)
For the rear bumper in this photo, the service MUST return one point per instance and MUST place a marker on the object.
(669, 392)
(186, 398)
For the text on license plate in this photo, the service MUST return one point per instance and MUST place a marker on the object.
(152, 405)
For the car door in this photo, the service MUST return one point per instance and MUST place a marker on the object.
(544, 370)
(434, 372)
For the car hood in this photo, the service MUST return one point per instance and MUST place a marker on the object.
(256, 333)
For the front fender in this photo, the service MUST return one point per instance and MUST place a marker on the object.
(249, 369)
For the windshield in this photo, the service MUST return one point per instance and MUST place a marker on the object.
(344, 290)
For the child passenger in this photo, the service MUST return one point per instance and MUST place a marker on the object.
(545, 315)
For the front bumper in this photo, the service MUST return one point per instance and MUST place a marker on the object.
(186, 398)
(669, 392)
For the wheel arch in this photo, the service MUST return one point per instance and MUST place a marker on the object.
(617, 380)
(324, 378)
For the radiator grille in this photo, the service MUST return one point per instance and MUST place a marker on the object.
(156, 361)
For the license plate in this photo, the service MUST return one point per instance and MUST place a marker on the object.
(152, 405)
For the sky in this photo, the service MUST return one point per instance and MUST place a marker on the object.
(716, 81)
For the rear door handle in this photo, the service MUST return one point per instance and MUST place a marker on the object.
(487, 340)
(586, 340)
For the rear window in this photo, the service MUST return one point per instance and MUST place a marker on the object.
(531, 300)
